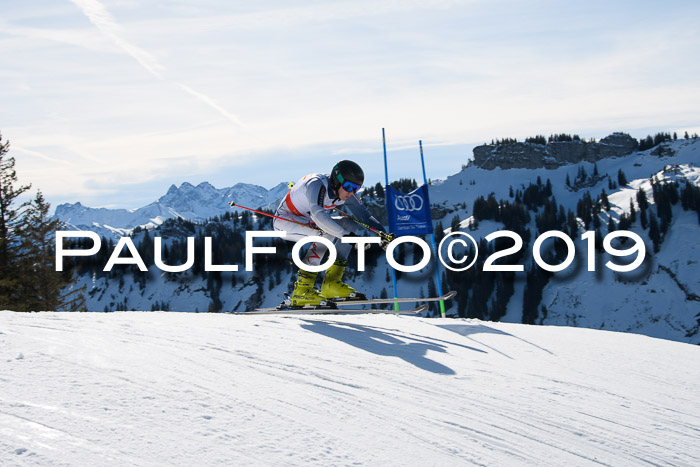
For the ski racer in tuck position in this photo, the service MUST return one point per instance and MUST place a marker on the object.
(309, 202)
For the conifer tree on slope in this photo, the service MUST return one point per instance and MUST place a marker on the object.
(28, 279)
(40, 286)
(10, 218)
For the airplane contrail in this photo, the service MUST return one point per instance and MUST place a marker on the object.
(100, 17)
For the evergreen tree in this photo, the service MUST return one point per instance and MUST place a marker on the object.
(584, 209)
(582, 175)
(504, 292)
(439, 232)
(643, 219)
(41, 287)
(642, 200)
(572, 223)
(539, 139)
(604, 201)
(10, 219)
(646, 143)
(475, 223)
(621, 178)
(146, 249)
(654, 231)
(536, 280)
(598, 240)
(625, 222)
(379, 189)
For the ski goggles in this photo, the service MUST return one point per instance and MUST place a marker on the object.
(348, 185)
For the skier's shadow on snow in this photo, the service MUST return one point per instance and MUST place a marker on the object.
(382, 342)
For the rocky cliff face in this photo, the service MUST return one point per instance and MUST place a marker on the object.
(552, 155)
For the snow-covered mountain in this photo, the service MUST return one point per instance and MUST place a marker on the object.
(147, 389)
(194, 203)
(661, 300)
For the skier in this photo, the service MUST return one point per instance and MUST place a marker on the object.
(309, 202)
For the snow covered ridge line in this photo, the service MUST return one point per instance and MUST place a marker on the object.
(448, 244)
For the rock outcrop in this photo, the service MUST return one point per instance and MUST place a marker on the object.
(551, 155)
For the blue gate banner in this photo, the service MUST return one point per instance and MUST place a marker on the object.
(409, 213)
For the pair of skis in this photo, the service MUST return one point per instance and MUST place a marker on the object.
(337, 307)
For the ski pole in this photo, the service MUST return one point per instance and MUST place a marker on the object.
(311, 226)
(381, 234)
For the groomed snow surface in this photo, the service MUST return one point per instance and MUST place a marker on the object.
(204, 389)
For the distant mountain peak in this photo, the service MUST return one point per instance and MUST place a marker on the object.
(195, 203)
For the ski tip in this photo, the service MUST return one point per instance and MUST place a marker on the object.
(449, 294)
(414, 311)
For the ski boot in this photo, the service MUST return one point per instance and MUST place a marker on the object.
(304, 292)
(334, 289)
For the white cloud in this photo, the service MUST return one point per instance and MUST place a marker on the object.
(319, 80)
(43, 156)
(101, 18)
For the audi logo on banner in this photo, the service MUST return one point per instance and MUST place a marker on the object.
(408, 203)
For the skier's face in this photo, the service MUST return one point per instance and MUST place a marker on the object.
(344, 195)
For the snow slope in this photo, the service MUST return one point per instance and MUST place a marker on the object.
(213, 389)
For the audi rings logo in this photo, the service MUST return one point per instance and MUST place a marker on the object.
(409, 203)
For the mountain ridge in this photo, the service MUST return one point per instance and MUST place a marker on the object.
(188, 202)
(653, 302)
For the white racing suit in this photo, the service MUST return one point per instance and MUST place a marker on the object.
(309, 202)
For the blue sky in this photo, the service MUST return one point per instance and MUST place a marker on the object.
(111, 102)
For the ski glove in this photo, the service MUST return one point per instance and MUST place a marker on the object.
(386, 239)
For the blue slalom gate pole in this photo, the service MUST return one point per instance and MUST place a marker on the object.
(386, 197)
(432, 237)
